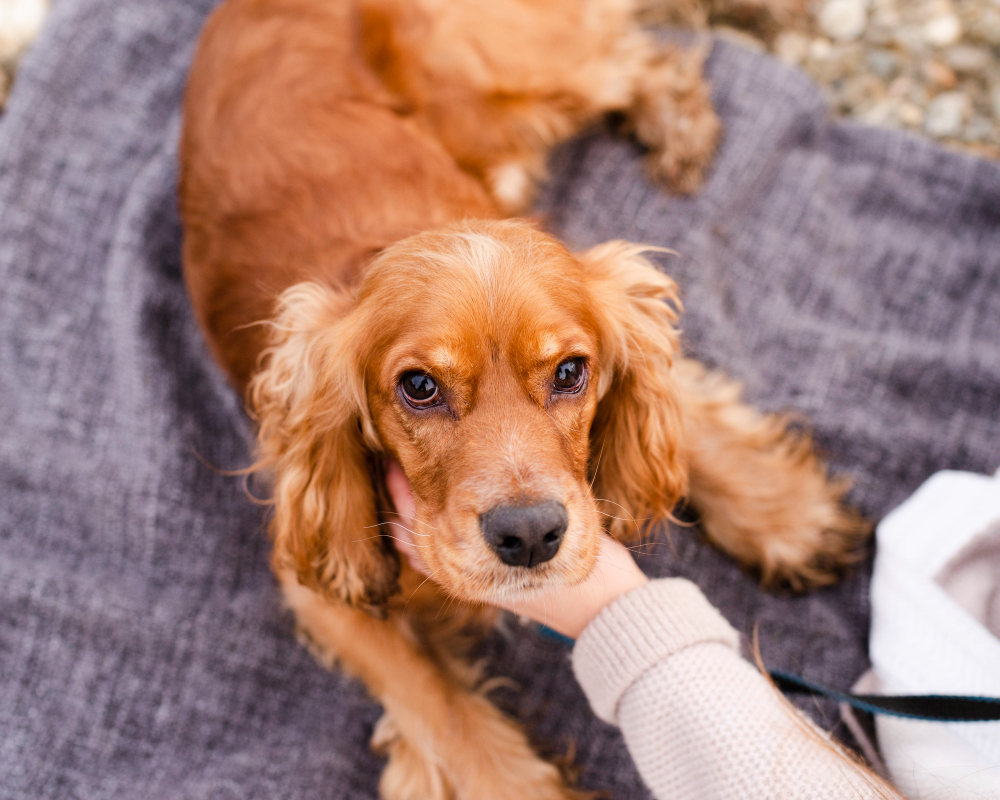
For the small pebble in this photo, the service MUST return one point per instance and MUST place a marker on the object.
(946, 114)
(942, 31)
(967, 59)
(940, 74)
(883, 63)
(843, 20)
(886, 16)
(820, 49)
(901, 86)
(860, 91)
(884, 112)
(918, 94)
(791, 47)
(978, 129)
(910, 114)
(933, 8)
(986, 26)
(909, 37)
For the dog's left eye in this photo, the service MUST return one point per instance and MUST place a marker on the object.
(419, 388)
(569, 375)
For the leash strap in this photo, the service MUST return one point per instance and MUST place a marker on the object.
(931, 707)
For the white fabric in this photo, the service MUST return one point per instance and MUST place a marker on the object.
(924, 640)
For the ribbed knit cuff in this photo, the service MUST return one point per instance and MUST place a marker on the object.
(639, 630)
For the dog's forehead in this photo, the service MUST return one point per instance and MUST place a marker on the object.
(464, 287)
(460, 301)
(460, 338)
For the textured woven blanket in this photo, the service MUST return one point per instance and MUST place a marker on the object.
(849, 274)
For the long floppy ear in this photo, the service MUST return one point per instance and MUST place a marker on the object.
(315, 437)
(636, 458)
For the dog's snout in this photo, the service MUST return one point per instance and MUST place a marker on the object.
(525, 536)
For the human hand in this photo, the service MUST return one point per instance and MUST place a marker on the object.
(566, 609)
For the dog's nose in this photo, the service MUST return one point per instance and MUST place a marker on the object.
(525, 536)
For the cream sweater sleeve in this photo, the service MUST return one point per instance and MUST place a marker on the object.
(700, 722)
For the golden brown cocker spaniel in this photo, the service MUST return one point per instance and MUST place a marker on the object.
(346, 165)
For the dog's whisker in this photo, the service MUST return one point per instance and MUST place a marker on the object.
(445, 608)
(394, 538)
(415, 519)
(383, 524)
(612, 516)
(419, 587)
(409, 530)
(637, 548)
(632, 518)
(597, 466)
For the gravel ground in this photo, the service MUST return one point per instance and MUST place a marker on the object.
(928, 66)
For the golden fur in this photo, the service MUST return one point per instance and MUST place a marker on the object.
(345, 166)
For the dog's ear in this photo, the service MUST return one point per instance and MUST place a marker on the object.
(636, 439)
(315, 438)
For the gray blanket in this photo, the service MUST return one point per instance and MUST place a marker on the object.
(848, 273)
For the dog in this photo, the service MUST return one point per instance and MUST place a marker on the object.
(347, 170)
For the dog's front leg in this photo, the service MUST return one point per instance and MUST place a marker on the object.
(760, 490)
(443, 741)
(672, 115)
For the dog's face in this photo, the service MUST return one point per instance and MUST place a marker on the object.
(507, 376)
(483, 380)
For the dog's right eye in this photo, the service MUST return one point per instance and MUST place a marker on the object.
(419, 389)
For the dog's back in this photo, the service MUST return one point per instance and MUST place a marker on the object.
(296, 165)
(317, 132)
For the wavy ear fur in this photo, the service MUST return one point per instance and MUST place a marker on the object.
(636, 442)
(316, 438)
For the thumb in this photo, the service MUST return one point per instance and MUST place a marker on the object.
(406, 509)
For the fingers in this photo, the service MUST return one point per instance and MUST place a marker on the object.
(616, 559)
(402, 525)
(399, 490)
(569, 609)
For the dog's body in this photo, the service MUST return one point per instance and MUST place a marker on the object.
(345, 168)
(318, 133)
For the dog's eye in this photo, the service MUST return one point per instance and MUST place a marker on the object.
(569, 375)
(419, 388)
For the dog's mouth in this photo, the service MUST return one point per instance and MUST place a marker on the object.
(468, 565)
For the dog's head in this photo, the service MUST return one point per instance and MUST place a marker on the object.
(525, 391)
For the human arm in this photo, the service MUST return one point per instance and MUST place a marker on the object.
(659, 661)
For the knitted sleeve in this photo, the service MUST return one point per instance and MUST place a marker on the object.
(699, 721)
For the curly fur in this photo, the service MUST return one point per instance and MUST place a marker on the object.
(344, 169)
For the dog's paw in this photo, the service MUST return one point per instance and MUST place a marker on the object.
(415, 773)
(409, 774)
(672, 115)
(815, 554)
(689, 132)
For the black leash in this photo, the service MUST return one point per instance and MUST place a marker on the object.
(931, 707)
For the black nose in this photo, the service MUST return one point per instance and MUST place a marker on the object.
(524, 536)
